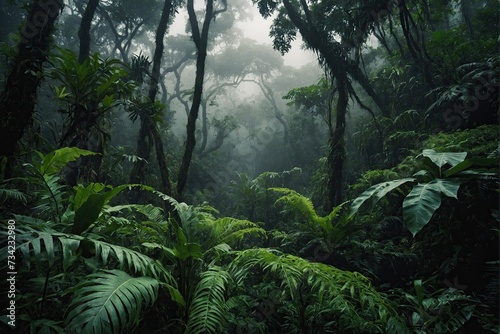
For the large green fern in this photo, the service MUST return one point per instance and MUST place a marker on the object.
(50, 245)
(348, 296)
(333, 226)
(109, 301)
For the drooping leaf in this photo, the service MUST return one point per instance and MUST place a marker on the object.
(376, 192)
(420, 204)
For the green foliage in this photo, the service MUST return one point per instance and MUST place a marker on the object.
(208, 308)
(109, 301)
(88, 203)
(94, 84)
(44, 176)
(313, 98)
(333, 228)
(477, 142)
(347, 297)
(444, 311)
(424, 199)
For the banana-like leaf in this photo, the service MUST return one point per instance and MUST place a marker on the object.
(89, 202)
(110, 301)
(424, 199)
(376, 192)
(208, 309)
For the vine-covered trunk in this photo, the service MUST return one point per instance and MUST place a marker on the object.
(18, 98)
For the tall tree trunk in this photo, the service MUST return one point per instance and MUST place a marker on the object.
(91, 164)
(84, 30)
(338, 68)
(17, 101)
(201, 41)
(466, 9)
(336, 147)
(204, 127)
(149, 129)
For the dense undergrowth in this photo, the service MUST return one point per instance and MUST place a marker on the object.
(88, 263)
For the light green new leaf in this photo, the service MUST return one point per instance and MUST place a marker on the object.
(109, 301)
(55, 160)
(377, 192)
(420, 205)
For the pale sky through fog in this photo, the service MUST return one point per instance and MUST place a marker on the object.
(258, 29)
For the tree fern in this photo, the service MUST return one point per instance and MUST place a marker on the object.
(207, 312)
(109, 301)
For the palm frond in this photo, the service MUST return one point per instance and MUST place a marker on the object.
(207, 312)
(110, 301)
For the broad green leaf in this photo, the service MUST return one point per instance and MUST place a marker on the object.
(208, 308)
(448, 187)
(88, 212)
(458, 168)
(443, 158)
(377, 192)
(92, 205)
(186, 250)
(420, 205)
(476, 162)
(83, 193)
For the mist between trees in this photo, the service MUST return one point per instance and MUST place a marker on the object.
(167, 172)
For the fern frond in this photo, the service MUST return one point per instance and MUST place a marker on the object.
(14, 194)
(49, 245)
(348, 294)
(109, 301)
(333, 231)
(207, 312)
(231, 230)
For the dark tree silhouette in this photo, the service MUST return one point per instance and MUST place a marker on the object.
(200, 39)
(17, 101)
(84, 31)
(148, 127)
